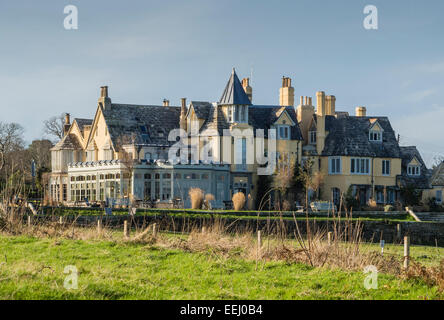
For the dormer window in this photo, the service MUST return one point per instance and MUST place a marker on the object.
(375, 136)
(375, 132)
(284, 132)
(413, 170)
(312, 137)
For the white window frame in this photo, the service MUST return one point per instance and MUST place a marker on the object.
(284, 128)
(333, 163)
(312, 137)
(360, 166)
(414, 170)
(371, 136)
(384, 167)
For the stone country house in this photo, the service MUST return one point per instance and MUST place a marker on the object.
(122, 154)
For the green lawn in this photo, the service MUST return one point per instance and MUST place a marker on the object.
(33, 269)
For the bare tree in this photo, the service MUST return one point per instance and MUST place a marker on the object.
(40, 153)
(54, 126)
(11, 140)
(127, 158)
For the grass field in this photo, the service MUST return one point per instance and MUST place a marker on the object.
(32, 268)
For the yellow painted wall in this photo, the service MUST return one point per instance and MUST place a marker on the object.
(345, 179)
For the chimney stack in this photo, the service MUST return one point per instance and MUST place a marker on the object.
(361, 111)
(286, 93)
(104, 100)
(183, 114)
(166, 103)
(104, 92)
(248, 90)
(320, 100)
(67, 124)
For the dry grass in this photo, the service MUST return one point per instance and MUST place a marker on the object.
(433, 276)
(238, 201)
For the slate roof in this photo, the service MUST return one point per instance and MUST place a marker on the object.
(69, 142)
(234, 92)
(201, 108)
(83, 122)
(216, 120)
(259, 117)
(437, 178)
(423, 180)
(349, 136)
(263, 116)
(142, 125)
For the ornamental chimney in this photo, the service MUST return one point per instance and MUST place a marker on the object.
(361, 111)
(104, 100)
(67, 124)
(286, 93)
(183, 114)
(248, 90)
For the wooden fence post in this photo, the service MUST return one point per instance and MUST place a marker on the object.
(125, 229)
(398, 232)
(259, 244)
(155, 230)
(203, 229)
(406, 252)
(99, 226)
(29, 221)
(61, 220)
(329, 237)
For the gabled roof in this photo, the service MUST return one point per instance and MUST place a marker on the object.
(69, 142)
(83, 122)
(263, 117)
(142, 125)
(234, 92)
(201, 108)
(407, 155)
(349, 136)
(438, 175)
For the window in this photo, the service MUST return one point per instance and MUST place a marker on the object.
(336, 195)
(335, 165)
(284, 132)
(147, 156)
(375, 136)
(438, 196)
(230, 114)
(379, 196)
(385, 167)
(312, 137)
(147, 176)
(360, 166)
(413, 170)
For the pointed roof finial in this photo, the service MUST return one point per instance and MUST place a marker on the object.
(234, 92)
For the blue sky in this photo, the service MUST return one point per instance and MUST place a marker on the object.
(149, 50)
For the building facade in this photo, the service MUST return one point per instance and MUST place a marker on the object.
(125, 152)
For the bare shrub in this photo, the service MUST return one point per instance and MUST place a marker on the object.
(238, 201)
(432, 276)
(207, 202)
(197, 198)
(372, 203)
(286, 206)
